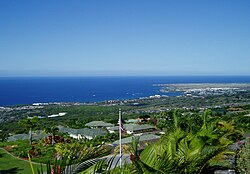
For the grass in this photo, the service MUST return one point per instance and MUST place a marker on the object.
(11, 165)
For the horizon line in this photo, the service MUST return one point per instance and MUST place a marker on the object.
(62, 76)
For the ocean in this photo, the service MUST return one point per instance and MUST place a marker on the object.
(28, 90)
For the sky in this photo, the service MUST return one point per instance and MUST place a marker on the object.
(130, 37)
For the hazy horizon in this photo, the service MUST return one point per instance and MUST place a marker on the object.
(119, 75)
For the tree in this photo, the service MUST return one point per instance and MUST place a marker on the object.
(184, 152)
(3, 136)
(30, 124)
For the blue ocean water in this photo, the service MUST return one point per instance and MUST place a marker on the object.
(28, 90)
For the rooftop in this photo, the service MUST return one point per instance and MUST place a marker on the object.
(35, 136)
(84, 131)
(137, 127)
(114, 128)
(99, 124)
(146, 137)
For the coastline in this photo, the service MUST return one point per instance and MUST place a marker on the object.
(29, 90)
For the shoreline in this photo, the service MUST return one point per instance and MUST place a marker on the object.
(165, 90)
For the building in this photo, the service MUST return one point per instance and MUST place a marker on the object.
(99, 124)
(137, 128)
(83, 133)
(132, 121)
(113, 129)
(35, 136)
(142, 138)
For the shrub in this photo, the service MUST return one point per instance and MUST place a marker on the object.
(243, 159)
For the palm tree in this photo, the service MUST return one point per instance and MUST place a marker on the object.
(186, 150)
(30, 124)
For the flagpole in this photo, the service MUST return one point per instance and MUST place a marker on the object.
(120, 136)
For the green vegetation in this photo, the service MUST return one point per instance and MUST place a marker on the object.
(243, 159)
(187, 152)
(38, 152)
(30, 124)
(9, 164)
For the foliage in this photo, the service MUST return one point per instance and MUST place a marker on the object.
(108, 138)
(73, 151)
(20, 148)
(3, 136)
(30, 123)
(186, 151)
(44, 154)
(125, 149)
(243, 159)
(9, 164)
(186, 121)
(72, 157)
(243, 122)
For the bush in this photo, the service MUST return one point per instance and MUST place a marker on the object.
(21, 148)
(243, 159)
(22, 154)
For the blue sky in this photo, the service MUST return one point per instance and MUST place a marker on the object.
(132, 37)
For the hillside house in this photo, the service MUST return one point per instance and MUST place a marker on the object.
(142, 138)
(99, 124)
(83, 133)
(137, 128)
(113, 129)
